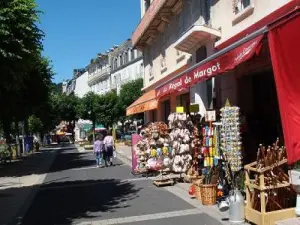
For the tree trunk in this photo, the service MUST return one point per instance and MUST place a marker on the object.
(26, 127)
(94, 125)
(17, 139)
(73, 131)
(6, 131)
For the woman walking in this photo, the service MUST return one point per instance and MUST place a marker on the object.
(98, 150)
(109, 149)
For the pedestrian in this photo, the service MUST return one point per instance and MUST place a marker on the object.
(98, 149)
(109, 148)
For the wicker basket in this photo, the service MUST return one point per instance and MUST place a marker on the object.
(208, 194)
(197, 184)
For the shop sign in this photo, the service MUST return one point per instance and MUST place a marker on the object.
(210, 116)
(221, 64)
(180, 109)
(194, 108)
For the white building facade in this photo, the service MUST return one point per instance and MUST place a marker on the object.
(119, 65)
(175, 35)
(81, 86)
(126, 65)
(99, 74)
(178, 36)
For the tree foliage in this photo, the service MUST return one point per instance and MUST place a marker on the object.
(66, 105)
(129, 92)
(25, 75)
(35, 124)
(106, 109)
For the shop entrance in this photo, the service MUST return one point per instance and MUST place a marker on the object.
(261, 123)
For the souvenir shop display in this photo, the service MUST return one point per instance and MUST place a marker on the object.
(269, 194)
(153, 149)
(142, 153)
(231, 144)
(180, 141)
(210, 149)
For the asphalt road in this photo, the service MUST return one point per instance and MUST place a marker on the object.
(76, 192)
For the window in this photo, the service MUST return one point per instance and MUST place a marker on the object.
(132, 54)
(207, 6)
(115, 63)
(126, 57)
(180, 19)
(147, 4)
(240, 5)
(121, 60)
(163, 61)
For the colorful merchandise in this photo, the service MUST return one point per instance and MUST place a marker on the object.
(231, 143)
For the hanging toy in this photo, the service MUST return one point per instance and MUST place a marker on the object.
(153, 153)
(158, 151)
(165, 150)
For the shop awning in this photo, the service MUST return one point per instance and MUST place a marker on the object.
(145, 103)
(220, 62)
(87, 127)
(284, 49)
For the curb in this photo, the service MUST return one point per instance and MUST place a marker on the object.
(29, 199)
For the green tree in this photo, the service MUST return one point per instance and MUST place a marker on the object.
(35, 124)
(20, 41)
(25, 74)
(129, 93)
(67, 107)
(87, 108)
(107, 109)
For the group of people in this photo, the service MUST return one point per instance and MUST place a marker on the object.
(104, 148)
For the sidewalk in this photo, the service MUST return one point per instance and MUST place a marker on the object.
(19, 182)
(124, 153)
(180, 190)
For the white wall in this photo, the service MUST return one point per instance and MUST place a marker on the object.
(82, 86)
(131, 72)
(223, 15)
(102, 87)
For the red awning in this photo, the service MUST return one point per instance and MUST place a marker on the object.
(284, 49)
(218, 65)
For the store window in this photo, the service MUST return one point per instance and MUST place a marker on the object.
(184, 101)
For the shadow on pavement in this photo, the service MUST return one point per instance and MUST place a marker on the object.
(62, 203)
(69, 158)
(27, 165)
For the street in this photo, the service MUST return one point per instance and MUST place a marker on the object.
(76, 192)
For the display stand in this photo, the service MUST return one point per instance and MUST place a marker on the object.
(269, 195)
(163, 179)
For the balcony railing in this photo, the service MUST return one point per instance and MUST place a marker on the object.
(94, 77)
(197, 33)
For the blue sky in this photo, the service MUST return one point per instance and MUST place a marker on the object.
(77, 30)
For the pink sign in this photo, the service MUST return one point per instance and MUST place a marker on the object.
(134, 158)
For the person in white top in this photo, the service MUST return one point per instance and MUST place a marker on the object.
(109, 149)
